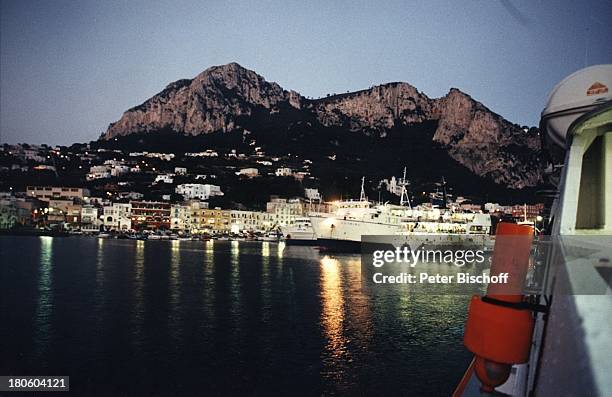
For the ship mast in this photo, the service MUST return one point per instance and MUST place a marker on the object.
(444, 197)
(362, 196)
(404, 194)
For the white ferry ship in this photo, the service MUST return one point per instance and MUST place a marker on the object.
(355, 221)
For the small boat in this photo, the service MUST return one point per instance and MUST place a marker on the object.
(271, 236)
(300, 232)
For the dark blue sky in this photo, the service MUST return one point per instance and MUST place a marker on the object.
(69, 68)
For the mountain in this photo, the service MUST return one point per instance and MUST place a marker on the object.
(212, 101)
(455, 132)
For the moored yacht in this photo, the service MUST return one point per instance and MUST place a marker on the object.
(300, 232)
(350, 219)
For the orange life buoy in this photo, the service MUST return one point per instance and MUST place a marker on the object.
(497, 331)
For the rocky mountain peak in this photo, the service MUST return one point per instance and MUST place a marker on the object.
(212, 101)
(242, 82)
(485, 142)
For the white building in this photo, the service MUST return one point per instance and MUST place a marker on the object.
(180, 171)
(98, 172)
(119, 170)
(300, 175)
(89, 219)
(312, 194)
(207, 153)
(164, 178)
(393, 187)
(130, 195)
(198, 191)
(180, 217)
(201, 177)
(112, 163)
(161, 156)
(284, 171)
(183, 217)
(249, 221)
(248, 172)
(282, 212)
(46, 193)
(493, 207)
(471, 207)
(117, 216)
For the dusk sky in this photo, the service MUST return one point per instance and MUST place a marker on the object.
(69, 68)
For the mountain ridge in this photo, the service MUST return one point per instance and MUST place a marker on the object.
(230, 97)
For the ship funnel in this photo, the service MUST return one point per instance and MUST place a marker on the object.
(574, 96)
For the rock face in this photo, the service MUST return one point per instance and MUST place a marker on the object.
(377, 109)
(486, 143)
(212, 101)
(226, 98)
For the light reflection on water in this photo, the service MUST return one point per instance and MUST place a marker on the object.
(235, 289)
(265, 249)
(100, 264)
(174, 317)
(346, 320)
(332, 316)
(44, 306)
(208, 281)
(139, 302)
(233, 318)
(210, 246)
(280, 249)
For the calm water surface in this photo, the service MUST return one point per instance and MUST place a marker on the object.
(125, 317)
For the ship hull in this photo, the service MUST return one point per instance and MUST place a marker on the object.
(333, 228)
(302, 242)
(335, 245)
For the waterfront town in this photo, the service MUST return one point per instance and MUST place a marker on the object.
(85, 190)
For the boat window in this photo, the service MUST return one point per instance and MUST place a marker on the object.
(591, 196)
